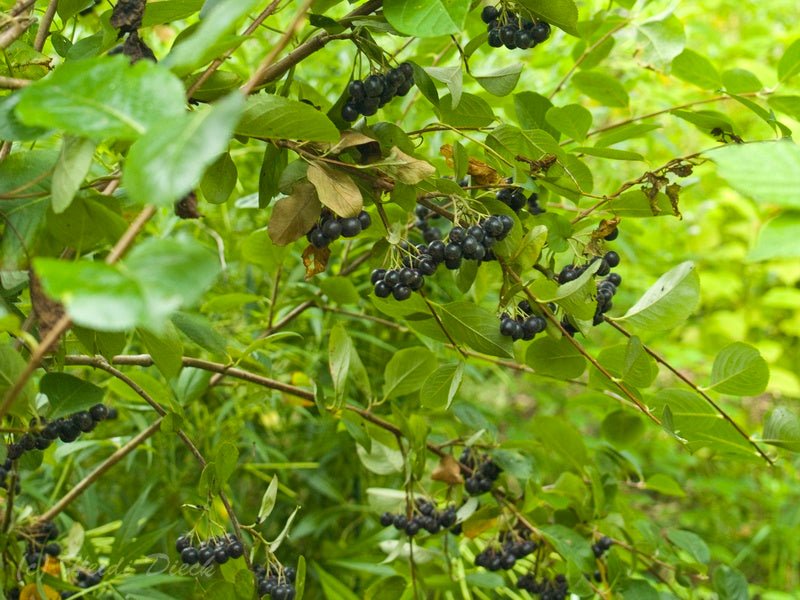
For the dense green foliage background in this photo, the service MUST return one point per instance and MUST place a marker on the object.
(696, 512)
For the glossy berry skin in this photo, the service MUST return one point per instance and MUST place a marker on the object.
(99, 412)
(489, 14)
(374, 86)
(351, 227)
(182, 543)
(189, 556)
(614, 278)
(401, 292)
(235, 550)
(540, 32)
(377, 275)
(494, 40)
(523, 39)
(221, 556)
(349, 112)
(317, 238)
(508, 34)
(332, 229)
(612, 236)
(612, 258)
(356, 90)
(364, 219)
(452, 252)
(382, 289)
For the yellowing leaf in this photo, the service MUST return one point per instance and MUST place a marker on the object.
(336, 190)
(293, 216)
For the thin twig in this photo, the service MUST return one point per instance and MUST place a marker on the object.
(13, 83)
(219, 61)
(269, 59)
(44, 25)
(661, 360)
(19, 25)
(99, 471)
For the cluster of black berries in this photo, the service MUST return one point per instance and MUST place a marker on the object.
(505, 557)
(5, 470)
(67, 429)
(514, 198)
(426, 517)
(602, 546)
(86, 579)
(40, 544)
(215, 550)
(547, 589)
(512, 31)
(277, 584)
(366, 97)
(526, 324)
(472, 243)
(572, 272)
(331, 226)
(606, 289)
(484, 472)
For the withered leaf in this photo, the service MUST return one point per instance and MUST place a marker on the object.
(135, 49)
(336, 190)
(448, 471)
(127, 15)
(186, 207)
(315, 260)
(407, 169)
(481, 173)
(292, 217)
(47, 310)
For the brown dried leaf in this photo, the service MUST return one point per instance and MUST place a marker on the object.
(673, 191)
(135, 49)
(606, 227)
(336, 190)
(47, 310)
(481, 173)
(348, 140)
(407, 169)
(448, 471)
(315, 260)
(186, 207)
(292, 217)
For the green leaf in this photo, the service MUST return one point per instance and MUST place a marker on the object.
(199, 330)
(204, 42)
(502, 81)
(274, 117)
(767, 172)
(739, 370)
(561, 13)
(789, 64)
(555, 358)
(622, 427)
(340, 351)
(95, 295)
(103, 98)
(132, 523)
(569, 544)
(697, 69)
(666, 485)
(696, 422)
(782, 429)
(730, 584)
(604, 88)
(441, 386)
(668, 302)
(472, 111)
(531, 109)
(156, 13)
(68, 394)
(742, 81)
(11, 367)
(171, 273)
(11, 128)
(166, 348)
(452, 77)
(380, 459)
(785, 104)
(556, 435)
(573, 120)
(661, 40)
(219, 180)
(407, 370)
(72, 166)
(268, 500)
(168, 161)
(476, 327)
(691, 543)
(275, 161)
(225, 459)
(426, 18)
(610, 153)
(333, 587)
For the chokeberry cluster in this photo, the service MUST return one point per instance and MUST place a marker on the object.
(276, 583)
(425, 517)
(547, 589)
(67, 429)
(602, 546)
(40, 544)
(214, 550)
(331, 226)
(473, 243)
(5, 471)
(512, 31)
(524, 326)
(495, 558)
(484, 472)
(367, 96)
